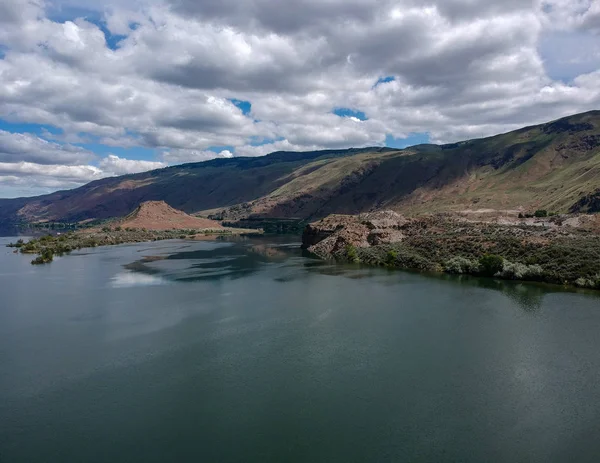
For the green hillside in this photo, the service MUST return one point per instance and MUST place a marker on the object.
(555, 166)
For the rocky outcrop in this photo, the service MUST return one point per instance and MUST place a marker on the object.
(333, 234)
(158, 215)
(588, 203)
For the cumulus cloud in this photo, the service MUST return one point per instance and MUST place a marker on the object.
(460, 68)
(22, 178)
(72, 173)
(16, 147)
(115, 165)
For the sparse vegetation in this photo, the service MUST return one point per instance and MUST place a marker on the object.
(566, 256)
(45, 257)
(18, 244)
(48, 246)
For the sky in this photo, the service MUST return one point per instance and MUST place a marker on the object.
(90, 89)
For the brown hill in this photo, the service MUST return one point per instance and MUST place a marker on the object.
(158, 215)
(553, 166)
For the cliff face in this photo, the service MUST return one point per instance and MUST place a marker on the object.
(333, 234)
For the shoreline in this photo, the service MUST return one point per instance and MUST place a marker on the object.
(562, 255)
(48, 246)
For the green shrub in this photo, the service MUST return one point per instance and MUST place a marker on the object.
(592, 282)
(351, 254)
(29, 247)
(408, 258)
(541, 213)
(391, 257)
(45, 257)
(460, 265)
(491, 264)
(512, 271)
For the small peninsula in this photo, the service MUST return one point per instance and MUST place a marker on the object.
(150, 221)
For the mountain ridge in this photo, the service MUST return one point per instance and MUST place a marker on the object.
(554, 165)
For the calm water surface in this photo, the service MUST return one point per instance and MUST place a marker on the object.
(248, 351)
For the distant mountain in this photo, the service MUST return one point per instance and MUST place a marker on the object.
(554, 166)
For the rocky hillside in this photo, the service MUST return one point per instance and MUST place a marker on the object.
(554, 166)
(560, 249)
(158, 215)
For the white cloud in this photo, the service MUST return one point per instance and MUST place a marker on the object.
(15, 147)
(115, 165)
(462, 68)
(72, 173)
(181, 155)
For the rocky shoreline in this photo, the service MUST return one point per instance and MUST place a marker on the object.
(550, 250)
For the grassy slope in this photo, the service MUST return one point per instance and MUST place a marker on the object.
(549, 166)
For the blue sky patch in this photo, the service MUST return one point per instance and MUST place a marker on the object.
(21, 127)
(245, 106)
(259, 141)
(135, 152)
(218, 149)
(94, 17)
(347, 112)
(384, 80)
(412, 140)
(567, 55)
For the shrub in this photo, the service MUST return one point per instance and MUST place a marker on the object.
(391, 257)
(351, 254)
(592, 282)
(511, 271)
(118, 229)
(521, 216)
(541, 213)
(408, 258)
(44, 258)
(491, 264)
(460, 265)
(31, 246)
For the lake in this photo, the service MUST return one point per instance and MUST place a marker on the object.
(251, 351)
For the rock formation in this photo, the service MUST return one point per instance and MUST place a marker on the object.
(335, 233)
(158, 215)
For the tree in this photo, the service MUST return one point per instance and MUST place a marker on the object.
(490, 264)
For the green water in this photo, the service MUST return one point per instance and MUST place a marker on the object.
(250, 351)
